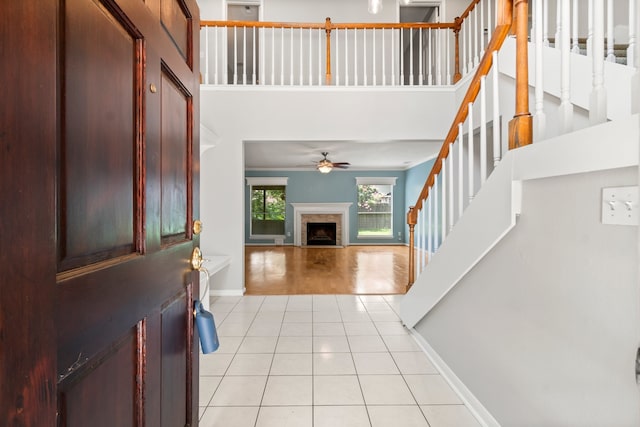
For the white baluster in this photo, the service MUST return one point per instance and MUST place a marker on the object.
(598, 97)
(300, 81)
(321, 70)
(393, 58)
(355, 57)
(291, 56)
(443, 192)
(346, 57)
(540, 117)
(253, 52)
(436, 216)
(384, 59)
(496, 111)
(447, 55)
(411, 56)
(483, 130)
(566, 107)
(401, 64)
(430, 225)
(430, 65)
(470, 37)
(632, 33)
(282, 56)
(364, 54)
(575, 48)
(235, 56)
(244, 55)
(610, 53)
(373, 48)
(423, 234)
(476, 59)
(481, 29)
(338, 57)
(206, 55)
(463, 39)
(460, 170)
(559, 5)
(545, 22)
(470, 155)
(590, 28)
(263, 79)
(310, 61)
(420, 67)
(439, 43)
(450, 186)
(215, 59)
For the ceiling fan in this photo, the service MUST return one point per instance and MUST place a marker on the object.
(325, 165)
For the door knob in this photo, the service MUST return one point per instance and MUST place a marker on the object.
(196, 258)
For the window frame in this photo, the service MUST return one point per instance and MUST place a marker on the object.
(391, 181)
(265, 182)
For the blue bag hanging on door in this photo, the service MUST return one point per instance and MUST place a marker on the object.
(206, 329)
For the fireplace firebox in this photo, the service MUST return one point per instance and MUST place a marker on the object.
(321, 233)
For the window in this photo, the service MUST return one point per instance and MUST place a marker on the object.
(375, 207)
(268, 206)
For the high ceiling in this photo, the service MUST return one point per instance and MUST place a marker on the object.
(363, 155)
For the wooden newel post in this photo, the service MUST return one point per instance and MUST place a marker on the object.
(521, 126)
(456, 32)
(411, 221)
(327, 30)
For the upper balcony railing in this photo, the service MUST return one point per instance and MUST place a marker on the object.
(345, 54)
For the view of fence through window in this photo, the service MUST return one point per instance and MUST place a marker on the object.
(268, 204)
(374, 210)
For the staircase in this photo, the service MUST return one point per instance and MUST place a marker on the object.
(527, 300)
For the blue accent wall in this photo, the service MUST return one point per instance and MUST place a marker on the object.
(415, 178)
(334, 187)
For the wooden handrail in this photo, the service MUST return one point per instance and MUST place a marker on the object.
(332, 26)
(469, 9)
(505, 21)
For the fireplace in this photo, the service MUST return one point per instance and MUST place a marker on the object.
(336, 213)
(321, 233)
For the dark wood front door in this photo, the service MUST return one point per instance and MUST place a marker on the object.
(99, 191)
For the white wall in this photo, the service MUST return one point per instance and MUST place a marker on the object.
(544, 330)
(298, 114)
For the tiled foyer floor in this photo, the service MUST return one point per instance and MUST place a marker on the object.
(321, 360)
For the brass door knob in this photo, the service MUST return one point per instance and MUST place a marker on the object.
(196, 258)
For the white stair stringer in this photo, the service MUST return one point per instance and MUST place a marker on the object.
(459, 252)
(494, 211)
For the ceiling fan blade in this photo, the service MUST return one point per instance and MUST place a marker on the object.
(341, 166)
(338, 164)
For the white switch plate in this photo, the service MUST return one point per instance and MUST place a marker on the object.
(620, 205)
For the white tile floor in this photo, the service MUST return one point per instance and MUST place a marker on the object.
(321, 361)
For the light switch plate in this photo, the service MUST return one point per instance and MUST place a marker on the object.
(620, 205)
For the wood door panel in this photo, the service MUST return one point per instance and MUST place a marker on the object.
(174, 321)
(100, 167)
(176, 21)
(177, 125)
(115, 400)
(93, 310)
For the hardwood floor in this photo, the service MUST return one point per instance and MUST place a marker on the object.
(290, 270)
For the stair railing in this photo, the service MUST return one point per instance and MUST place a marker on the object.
(458, 172)
(346, 54)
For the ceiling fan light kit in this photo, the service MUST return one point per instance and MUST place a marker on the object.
(325, 165)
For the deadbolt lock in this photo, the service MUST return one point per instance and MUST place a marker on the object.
(197, 226)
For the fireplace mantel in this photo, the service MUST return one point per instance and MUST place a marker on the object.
(300, 209)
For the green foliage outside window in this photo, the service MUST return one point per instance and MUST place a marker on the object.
(268, 205)
(374, 210)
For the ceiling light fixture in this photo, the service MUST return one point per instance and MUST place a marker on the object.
(375, 6)
(325, 166)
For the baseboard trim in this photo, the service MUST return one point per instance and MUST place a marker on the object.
(478, 410)
(228, 292)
